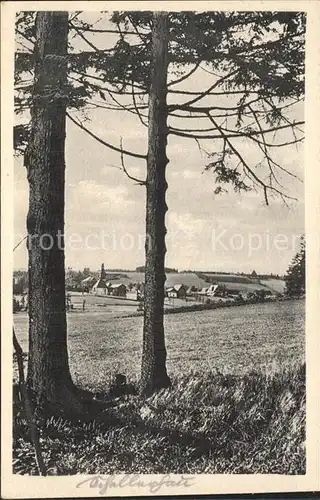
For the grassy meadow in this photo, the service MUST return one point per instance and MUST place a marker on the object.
(232, 340)
(237, 403)
(213, 423)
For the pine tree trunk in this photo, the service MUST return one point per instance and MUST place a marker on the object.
(153, 371)
(48, 368)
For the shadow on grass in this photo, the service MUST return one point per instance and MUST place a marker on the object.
(239, 424)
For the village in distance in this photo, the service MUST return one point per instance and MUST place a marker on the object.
(85, 290)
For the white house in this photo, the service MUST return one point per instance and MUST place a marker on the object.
(177, 291)
(212, 290)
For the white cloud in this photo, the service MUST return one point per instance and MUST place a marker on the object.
(186, 223)
(91, 198)
(190, 174)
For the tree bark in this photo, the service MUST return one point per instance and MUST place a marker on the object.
(153, 371)
(48, 376)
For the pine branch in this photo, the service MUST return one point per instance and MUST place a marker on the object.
(119, 107)
(84, 38)
(203, 94)
(106, 89)
(138, 181)
(96, 30)
(99, 78)
(104, 143)
(248, 168)
(19, 243)
(268, 131)
(137, 108)
(204, 109)
(184, 77)
(222, 93)
(264, 149)
(140, 35)
(24, 36)
(234, 134)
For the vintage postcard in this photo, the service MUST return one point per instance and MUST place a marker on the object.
(160, 257)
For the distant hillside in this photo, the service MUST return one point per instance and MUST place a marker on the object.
(245, 284)
(133, 277)
(141, 269)
(187, 279)
(277, 286)
(227, 278)
(234, 282)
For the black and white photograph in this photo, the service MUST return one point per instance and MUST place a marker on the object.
(158, 245)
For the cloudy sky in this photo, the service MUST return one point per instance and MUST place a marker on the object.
(105, 211)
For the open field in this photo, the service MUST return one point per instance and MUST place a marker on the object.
(118, 306)
(277, 286)
(228, 278)
(105, 303)
(232, 340)
(237, 404)
(186, 279)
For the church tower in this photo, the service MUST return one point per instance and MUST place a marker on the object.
(103, 273)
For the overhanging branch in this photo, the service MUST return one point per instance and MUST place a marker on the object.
(264, 186)
(136, 107)
(203, 94)
(103, 142)
(233, 133)
(184, 77)
(138, 181)
(84, 38)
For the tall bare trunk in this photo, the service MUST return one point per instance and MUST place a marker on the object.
(153, 371)
(48, 368)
